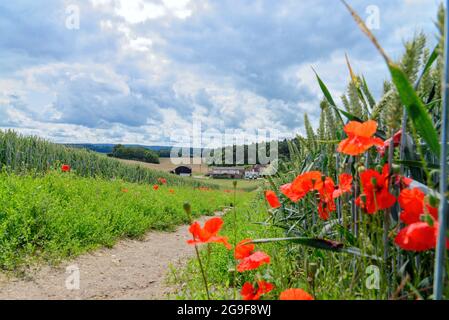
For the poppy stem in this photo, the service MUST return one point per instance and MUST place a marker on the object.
(235, 240)
(202, 272)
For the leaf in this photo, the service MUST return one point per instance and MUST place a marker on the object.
(328, 96)
(415, 108)
(328, 245)
(417, 164)
(433, 56)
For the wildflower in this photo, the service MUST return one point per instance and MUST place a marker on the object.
(125, 190)
(171, 191)
(65, 168)
(418, 236)
(345, 185)
(162, 180)
(208, 234)
(272, 199)
(307, 182)
(286, 189)
(376, 195)
(396, 141)
(249, 260)
(412, 203)
(248, 292)
(295, 294)
(155, 187)
(360, 138)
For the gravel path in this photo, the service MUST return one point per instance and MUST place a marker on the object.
(130, 270)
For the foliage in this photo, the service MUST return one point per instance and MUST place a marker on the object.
(61, 214)
(134, 153)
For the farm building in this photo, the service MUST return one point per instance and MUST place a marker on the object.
(255, 171)
(182, 171)
(227, 172)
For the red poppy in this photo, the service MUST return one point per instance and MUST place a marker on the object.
(272, 199)
(243, 249)
(162, 180)
(396, 141)
(286, 189)
(326, 203)
(360, 138)
(418, 236)
(248, 292)
(345, 185)
(295, 294)
(125, 190)
(307, 182)
(249, 260)
(156, 187)
(376, 195)
(208, 234)
(65, 168)
(171, 191)
(253, 261)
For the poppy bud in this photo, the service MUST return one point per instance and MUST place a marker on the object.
(427, 218)
(361, 169)
(396, 168)
(188, 210)
(432, 201)
(363, 198)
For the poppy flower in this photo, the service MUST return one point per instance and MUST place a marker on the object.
(171, 191)
(326, 203)
(125, 190)
(418, 236)
(396, 141)
(412, 203)
(249, 260)
(345, 185)
(162, 180)
(307, 182)
(376, 195)
(272, 199)
(208, 234)
(286, 190)
(65, 168)
(156, 187)
(243, 249)
(253, 261)
(360, 138)
(295, 294)
(248, 292)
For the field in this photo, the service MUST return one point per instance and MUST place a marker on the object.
(61, 214)
(166, 165)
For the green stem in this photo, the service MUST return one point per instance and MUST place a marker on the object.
(202, 272)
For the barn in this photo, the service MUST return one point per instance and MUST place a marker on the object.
(182, 171)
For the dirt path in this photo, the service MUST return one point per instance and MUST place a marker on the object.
(130, 270)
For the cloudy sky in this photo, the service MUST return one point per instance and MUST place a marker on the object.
(138, 71)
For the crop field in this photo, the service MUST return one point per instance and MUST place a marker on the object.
(60, 214)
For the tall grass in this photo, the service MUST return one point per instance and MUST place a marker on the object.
(21, 154)
(59, 215)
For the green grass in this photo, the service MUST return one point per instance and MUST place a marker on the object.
(219, 262)
(61, 215)
(245, 185)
